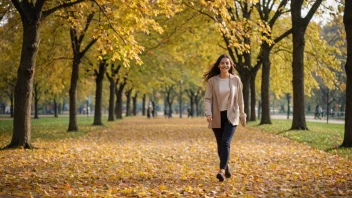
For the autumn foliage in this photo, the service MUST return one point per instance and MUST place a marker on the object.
(139, 157)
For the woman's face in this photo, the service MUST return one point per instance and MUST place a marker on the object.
(225, 65)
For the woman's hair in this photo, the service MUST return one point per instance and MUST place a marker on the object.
(214, 69)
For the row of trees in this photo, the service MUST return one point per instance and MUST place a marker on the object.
(147, 46)
(241, 23)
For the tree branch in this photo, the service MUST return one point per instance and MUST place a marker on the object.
(64, 5)
(311, 12)
(200, 11)
(88, 46)
(278, 13)
(89, 20)
(278, 39)
(103, 11)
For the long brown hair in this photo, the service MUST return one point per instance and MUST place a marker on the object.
(215, 70)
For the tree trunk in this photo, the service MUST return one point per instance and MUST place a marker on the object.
(24, 85)
(347, 19)
(76, 43)
(143, 104)
(170, 109)
(128, 102)
(55, 109)
(265, 118)
(245, 82)
(99, 93)
(253, 96)
(112, 99)
(134, 102)
(299, 118)
(119, 103)
(197, 107)
(197, 99)
(73, 94)
(191, 104)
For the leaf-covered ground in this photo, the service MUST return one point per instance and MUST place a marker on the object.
(139, 157)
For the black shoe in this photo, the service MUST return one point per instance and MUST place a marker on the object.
(228, 173)
(220, 176)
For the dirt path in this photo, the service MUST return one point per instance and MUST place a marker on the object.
(172, 157)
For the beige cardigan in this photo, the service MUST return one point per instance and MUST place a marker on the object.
(235, 106)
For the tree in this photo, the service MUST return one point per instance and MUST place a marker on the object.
(77, 36)
(128, 94)
(32, 13)
(99, 74)
(299, 26)
(112, 71)
(269, 18)
(347, 20)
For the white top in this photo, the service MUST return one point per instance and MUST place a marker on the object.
(224, 91)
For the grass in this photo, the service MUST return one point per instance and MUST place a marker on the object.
(49, 128)
(327, 137)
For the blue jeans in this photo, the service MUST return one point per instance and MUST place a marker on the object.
(223, 137)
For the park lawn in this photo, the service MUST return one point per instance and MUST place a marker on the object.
(326, 137)
(50, 128)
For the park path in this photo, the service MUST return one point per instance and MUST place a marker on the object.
(140, 157)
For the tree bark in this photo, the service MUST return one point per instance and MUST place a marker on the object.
(299, 120)
(265, 118)
(246, 83)
(128, 102)
(134, 102)
(99, 93)
(73, 94)
(298, 41)
(253, 96)
(111, 99)
(347, 20)
(190, 94)
(113, 88)
(197, 99)
(169, 98)
(24, 85)
(118, 108)
(143, 104)
(55, 109)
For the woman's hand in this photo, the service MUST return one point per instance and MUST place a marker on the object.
(209, 118)
(243, 122)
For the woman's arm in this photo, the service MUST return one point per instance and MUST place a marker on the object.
(208, 99)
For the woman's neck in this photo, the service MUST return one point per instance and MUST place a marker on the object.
(224, 75)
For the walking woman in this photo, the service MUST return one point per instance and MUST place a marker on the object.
(224, 108)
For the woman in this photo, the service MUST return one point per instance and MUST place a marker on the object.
(223, 108)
